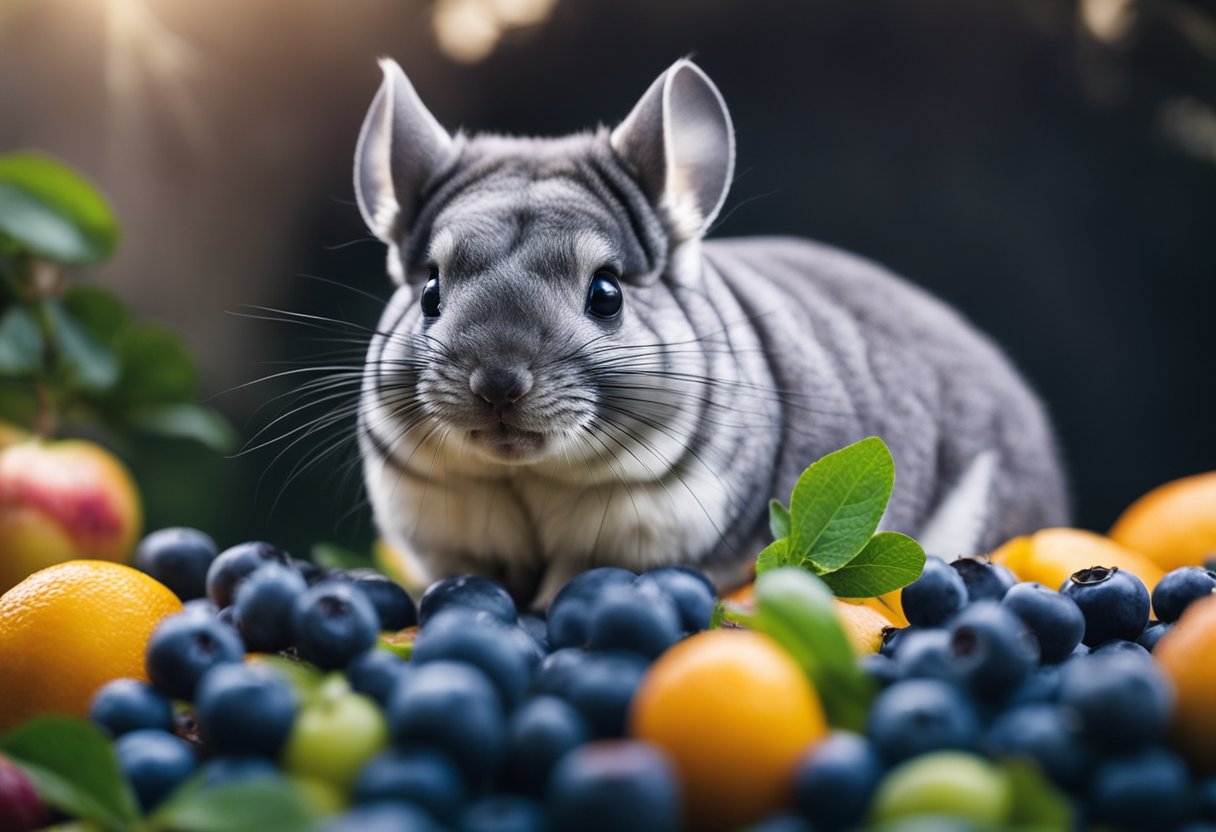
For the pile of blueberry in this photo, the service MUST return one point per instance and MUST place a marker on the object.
(499, 720)
(1010, 670)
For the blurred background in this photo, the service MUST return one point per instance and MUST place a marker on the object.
(1048, 166)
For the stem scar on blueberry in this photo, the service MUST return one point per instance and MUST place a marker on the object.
(1093, 575)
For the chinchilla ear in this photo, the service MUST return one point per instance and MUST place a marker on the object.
(681, 144)
(400, 147)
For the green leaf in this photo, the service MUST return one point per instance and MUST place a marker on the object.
(20, 342)
(889, 561)
(772, 556)
(93, 365)
(73, 768)
(187, 421)
(99, 312)
(265, 803)
(156, 367)
(778, 519)
(838, 503)
(1036, 803)
(719, 615)
(799, 611)
(54, 212)
(333, 556)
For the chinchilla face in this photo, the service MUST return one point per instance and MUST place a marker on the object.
(531, 324)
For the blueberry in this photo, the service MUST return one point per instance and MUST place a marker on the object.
(421, 776)
(1153, 634)
(453, 707)
(1179, 588)
(394, 606)
(471, 592)
(235, 563)
(179, 558)
(1123, 701)
(604, 689)
(693, 594)
(568, 612)
(244, 709)
(1118, 645)
(992, 649)
(538, 629)
(309, 571)
(986, 581)
(538, 735)
(505, 653)
(610, 786)
(1148, 790)
(1041, 686)
(834, 781)
(332, 623)
(382, 817)
(920, 715)
(632, 617)
(784, 822)
(228, 617)
(891, 637)
(559, 670)
(1047, 735)
(376, 673)
(1115, 603)
(1056, 621)
(125, 705)
(503, 813)
(882, 670)
(933, 598)
(185, 646)
(926, 654)
(230, 769)
(155, 763)
(1205, 798)
(263, 605)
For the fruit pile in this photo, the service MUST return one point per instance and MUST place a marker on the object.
(1061, 683)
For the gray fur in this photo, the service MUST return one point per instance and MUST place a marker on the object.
(658, 438)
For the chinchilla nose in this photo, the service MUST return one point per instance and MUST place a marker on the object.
(501, 386)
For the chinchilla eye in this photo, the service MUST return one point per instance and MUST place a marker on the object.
(604, 298)
(430, 296)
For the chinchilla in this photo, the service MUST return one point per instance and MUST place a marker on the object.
(567, 375)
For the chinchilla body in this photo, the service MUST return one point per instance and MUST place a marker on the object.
(569, 376)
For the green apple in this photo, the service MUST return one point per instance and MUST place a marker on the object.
(946, 783)
(335, 733)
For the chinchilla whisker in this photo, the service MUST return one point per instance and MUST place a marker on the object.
(594, 433)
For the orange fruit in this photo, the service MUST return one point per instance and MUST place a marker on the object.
(1050, 556)
(735, 713)
(69, 629)
(863, 619)
(1174, 524)
(1184, 654)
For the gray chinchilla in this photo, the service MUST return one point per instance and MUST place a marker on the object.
(568, 376)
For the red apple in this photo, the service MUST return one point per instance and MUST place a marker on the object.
(63, 500)
(20, 807)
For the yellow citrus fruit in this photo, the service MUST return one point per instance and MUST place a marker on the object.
(863, 619)
(735, 713)
(1184, 654)
(63, 500)
(69, 629)
(1050, 556)
(1174, 524)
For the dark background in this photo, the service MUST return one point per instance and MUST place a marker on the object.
(1048, 167)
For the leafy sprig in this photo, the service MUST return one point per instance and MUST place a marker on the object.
(831, 526)
(73, 352)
